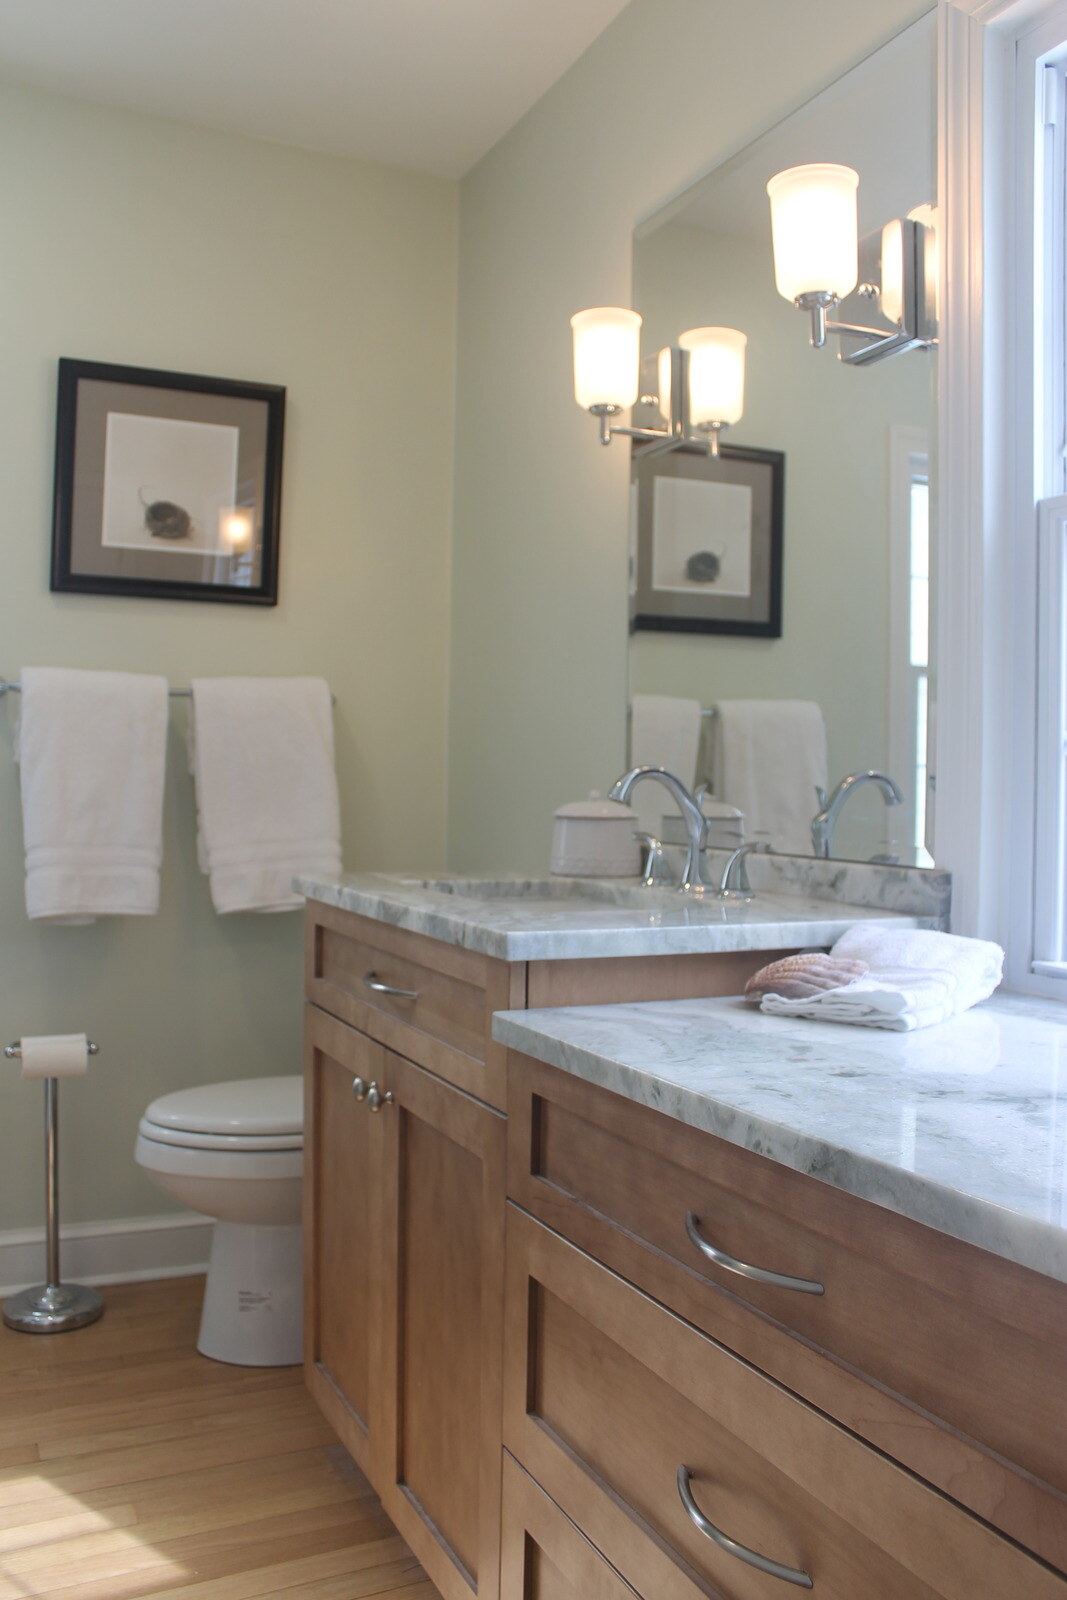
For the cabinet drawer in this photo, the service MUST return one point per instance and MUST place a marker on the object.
(967, 1337)
(608, 1396)
(425, 999)
(543, 1555)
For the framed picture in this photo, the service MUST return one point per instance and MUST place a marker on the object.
(706, 541)
(166, 485)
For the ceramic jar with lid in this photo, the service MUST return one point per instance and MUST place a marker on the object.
(595, 838)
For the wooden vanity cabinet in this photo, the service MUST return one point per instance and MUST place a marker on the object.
(523, 1419)
(404, 1208)
(945, 1358)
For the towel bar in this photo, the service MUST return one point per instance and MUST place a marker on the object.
(175, 694)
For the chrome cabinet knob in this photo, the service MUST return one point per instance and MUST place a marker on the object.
(376, 1099)
(359, 1088)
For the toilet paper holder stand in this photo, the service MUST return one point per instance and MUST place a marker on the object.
(51, 1307)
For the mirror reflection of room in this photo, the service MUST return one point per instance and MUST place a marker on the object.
(849, 685)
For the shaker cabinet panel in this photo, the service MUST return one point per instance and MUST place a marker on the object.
(342, 1194)
(543, 1555)
(437, 1456)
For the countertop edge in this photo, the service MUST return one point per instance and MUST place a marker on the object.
(1026, 1241)
(457, 924)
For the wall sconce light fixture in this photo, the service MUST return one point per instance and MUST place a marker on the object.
(819, 259)
(701, 379)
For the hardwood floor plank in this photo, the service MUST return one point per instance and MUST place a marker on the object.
(131, 1466)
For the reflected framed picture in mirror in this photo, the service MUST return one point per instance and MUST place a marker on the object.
(706, 541)
(167, 485)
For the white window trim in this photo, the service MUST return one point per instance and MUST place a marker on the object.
(984, 824)
(906, 445)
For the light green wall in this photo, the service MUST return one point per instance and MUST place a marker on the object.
(135, 240)
(539, 567)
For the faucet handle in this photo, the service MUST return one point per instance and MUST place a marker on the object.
(744, 890)
(820, 796)
(655, 869)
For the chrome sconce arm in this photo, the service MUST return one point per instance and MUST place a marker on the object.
(701, 380)
(913, 278)
(680, 431)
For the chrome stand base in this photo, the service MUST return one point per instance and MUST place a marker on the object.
(53, 1308)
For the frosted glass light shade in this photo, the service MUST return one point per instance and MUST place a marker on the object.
(814, 229)
(606, 356)
(716, 374)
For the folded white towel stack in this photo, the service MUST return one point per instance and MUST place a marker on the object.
(664, 732)
(261, 750)
(917, 977)
(770, 759)
(91, 748)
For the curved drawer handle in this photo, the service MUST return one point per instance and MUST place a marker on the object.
(731, 1546)
(387, 988)
(759, 1274)
(359, 1088)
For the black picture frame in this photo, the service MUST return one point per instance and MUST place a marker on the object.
(167, 485)
(730, 581)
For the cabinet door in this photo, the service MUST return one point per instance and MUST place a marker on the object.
(342, 1228)
(436, 1458)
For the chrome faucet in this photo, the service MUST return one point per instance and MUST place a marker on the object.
(692, 815)
(822, 823)
(744, 890)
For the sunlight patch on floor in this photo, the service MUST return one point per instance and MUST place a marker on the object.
(57, 1517)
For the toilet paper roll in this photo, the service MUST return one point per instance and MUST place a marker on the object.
(55, 1055)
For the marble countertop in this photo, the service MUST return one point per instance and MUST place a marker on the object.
(523, 919)
(962, 1126)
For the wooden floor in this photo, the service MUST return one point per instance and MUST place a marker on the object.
(130, 1466)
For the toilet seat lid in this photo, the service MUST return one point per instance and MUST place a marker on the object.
(246, 1108)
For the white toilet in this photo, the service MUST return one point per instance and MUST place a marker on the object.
(234, 1151)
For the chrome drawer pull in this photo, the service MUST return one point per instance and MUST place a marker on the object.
(387, 988)
(359, 1088)
(376, 1099)
(731, 1546)
(758, 1274)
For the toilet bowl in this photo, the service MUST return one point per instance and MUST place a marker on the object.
(234, 1151)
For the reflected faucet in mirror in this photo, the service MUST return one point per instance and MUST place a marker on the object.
(822, 823)
(692, 816)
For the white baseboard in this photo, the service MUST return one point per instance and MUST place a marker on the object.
(127, 1250)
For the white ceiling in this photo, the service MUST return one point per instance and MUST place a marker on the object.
(426, 84)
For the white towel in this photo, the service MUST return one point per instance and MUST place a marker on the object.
(917, 977)
(664, 732)
(770, 759)
(91, 748)
(261, 751)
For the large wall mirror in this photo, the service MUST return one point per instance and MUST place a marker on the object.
(858, 446)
